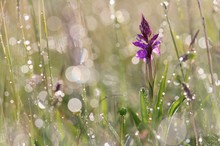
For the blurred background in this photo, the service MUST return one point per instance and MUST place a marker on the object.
(84, 50)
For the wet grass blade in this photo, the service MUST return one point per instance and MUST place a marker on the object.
(158, 107)
(176, 104)
(143, 95)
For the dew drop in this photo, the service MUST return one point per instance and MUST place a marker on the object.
(112, 2)
(91, 117)
(41, 105)
(176, 97)
(158, 136)
(106, 144)
(93, 136)
(200, 139)
(12, 101)
(84, 55)
(26, 17)
(27, 42)
(187, 140)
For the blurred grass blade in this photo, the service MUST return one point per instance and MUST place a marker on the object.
(193, 40)
(188, 56)
(136, 119)
(143, 94)
(158, 108)
(176, 104)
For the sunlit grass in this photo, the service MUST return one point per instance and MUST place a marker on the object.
(69, 75)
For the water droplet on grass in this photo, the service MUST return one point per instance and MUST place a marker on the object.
(200, 139)
(112, 2)
(26, 17)
(106, 144)
(27, 42)
(41, 105)
(187, 140)
(91, 117)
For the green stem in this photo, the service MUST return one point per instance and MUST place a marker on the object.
(47, 48)
(206, 43)
(7, 54)
(143, 104)
(122, 129)
(173, 39)
(150, 79)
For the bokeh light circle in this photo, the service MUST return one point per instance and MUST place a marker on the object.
(74, 105)
(172, 131)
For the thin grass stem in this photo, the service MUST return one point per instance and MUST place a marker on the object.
(173, 39)
(206, 43)
(47, 46)
(7, 54)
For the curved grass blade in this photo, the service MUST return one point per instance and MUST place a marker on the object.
(176, 104)
(136, 119)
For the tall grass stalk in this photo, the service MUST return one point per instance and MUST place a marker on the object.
(44, 74)
(206, 43)
(7, 54)
(122, 130)
(47, 47)
(173, 39)
(181, 68)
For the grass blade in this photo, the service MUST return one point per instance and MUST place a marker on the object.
(158, 108)
(176, 104)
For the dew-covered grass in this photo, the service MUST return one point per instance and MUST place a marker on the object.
(69, 75)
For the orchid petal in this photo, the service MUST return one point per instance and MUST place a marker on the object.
(156, 50)
(140, 44)
(141, 54)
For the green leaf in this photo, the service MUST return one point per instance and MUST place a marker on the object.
(143, 94)
(158, 107)
(136, 119)
(176, 104)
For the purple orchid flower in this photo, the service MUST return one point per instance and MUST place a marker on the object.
(146, 42)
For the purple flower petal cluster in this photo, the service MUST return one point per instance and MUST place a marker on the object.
(147, 42)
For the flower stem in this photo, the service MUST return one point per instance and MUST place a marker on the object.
(122, 129)
(206, 42)
(150, 79)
